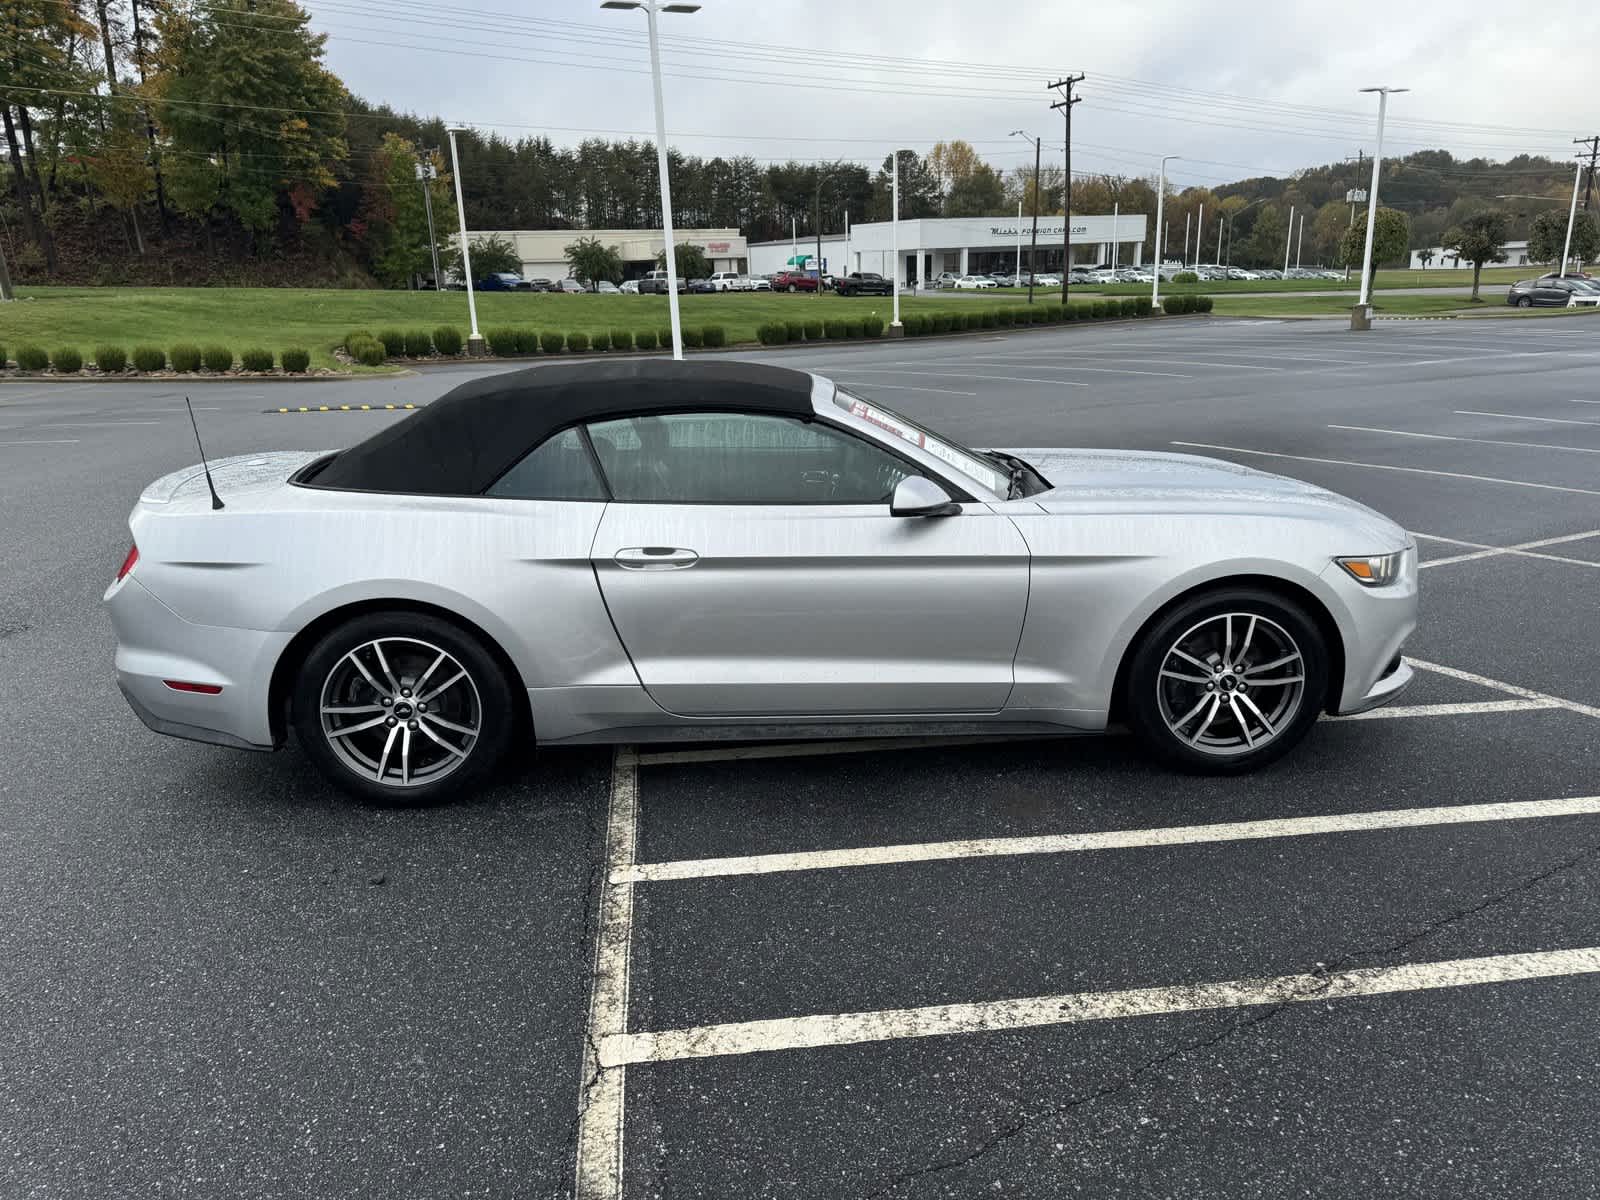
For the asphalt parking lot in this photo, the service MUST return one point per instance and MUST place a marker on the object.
(1031, 968)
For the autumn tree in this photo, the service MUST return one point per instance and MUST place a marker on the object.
(1390, 241)
(120, 170)
(393, 222)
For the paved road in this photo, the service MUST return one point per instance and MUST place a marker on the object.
(222, 980)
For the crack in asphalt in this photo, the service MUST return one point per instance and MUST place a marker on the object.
(1324, 971)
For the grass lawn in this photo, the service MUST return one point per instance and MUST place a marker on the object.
(318, 319)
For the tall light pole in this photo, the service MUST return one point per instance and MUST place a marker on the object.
(651, 8)
(1300, 242)
(475, 339)
(1231, 217)
(1033, 248)
(1572, 213)
(1199, 226)
(426, 174)
(895, 328)
(1161, 200)
(1017, 274)
(1372, 193)
(1288, 241)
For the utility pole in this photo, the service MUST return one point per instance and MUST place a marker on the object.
(1361, 158)
(1065, 105)
(426, 174)
(1594, 154)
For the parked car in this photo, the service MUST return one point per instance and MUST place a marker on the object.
(540, 285)
(654, 283)
(605, 287)
(412, 607)
(569, 287)
(973, 283)
(729, 281)
(1050, 280)
(1548, 291)
(701, 286)
(760, 283)
(1588, 298)
(944, 280)
(794, 281)
(863, 283)
(629, 287)
(501, 281)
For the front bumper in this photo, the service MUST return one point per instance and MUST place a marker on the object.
(155, 644)
(1374, 625)
(1386, 689)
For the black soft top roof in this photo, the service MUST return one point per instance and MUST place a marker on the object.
(461, 443)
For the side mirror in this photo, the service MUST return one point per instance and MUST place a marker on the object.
(916, 496)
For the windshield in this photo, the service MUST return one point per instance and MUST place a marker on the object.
(963, 460)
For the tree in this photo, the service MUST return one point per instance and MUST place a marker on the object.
(919, 188)
(393, 221)
(977, 194)
(1549, 235)
(1391, 239)
(491, 255)
(1479, 239)
(120, 170)
(591, 262)
(952, 162)
(1264, 247)
(691, 261)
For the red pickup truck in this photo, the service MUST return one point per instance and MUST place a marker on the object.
(794, 281)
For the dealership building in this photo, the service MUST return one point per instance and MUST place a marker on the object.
(544, 251)
(965, 245)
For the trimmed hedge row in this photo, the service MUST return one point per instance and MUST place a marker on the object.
(508, 342)
(114, 360)
(1176, 305)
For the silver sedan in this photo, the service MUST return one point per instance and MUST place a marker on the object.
(650, 550)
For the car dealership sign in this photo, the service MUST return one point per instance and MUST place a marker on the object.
(1011, 231)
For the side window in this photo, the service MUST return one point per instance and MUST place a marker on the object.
(740, 458)
(558, 469)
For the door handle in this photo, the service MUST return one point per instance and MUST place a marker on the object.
(655, 558)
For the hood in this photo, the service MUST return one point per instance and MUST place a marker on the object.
(1141, 481)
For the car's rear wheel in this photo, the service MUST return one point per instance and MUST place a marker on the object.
(1228, 681)
(403, 708)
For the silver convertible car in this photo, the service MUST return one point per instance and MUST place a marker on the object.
(648, 550)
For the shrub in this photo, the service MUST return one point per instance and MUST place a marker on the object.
(296, 360)
(217, 359)
(418, 343)
(691, 337)
(795, 330)
(111, 360)
(1053, 313)
(1100, 309)
(369, 352)
(1041, 314)
(986, 319)
(1082, 312)
(67, 360)
(394, 342)
(186, 357)
(1186, 277)
(773, 333)
(714, 336)
(577, 343)
(353, 336)
(446, 340)
(149, 358)
(854, 329)
(834, 329)
(621, 339)
(664, 337)
(527, 341)
(1202, 304)
(964, 321)
(2, 358)
(502, 341)
(1141, 306)
(813, 331)
(645, 339)
(32, 358)
(551, 343)
(1023, 316)
(1175, 306)
(872, 327)
(1129, 307)
(600, 340)
(941, 322)
(256, 360)
(1002, 318)
(1069, 312)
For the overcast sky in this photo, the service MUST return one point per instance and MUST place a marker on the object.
(1242, 89)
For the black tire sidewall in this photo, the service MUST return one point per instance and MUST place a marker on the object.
(1143, 711)
(499, 710)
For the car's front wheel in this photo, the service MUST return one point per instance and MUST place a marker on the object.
(403, 708)
(1227, 681)
(1524, 301)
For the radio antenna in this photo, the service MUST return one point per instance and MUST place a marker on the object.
(216, 500)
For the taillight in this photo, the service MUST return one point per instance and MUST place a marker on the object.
(128, 563)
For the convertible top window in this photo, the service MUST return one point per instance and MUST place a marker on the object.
(962, 459)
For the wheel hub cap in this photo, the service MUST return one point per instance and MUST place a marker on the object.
(1231, 684)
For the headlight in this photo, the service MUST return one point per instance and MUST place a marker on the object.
(1374, 570)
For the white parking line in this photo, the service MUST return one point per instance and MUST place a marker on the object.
(845, 1029)
(602, 1086)
(45, 442)
(1510, 689)
(1345, 462)
(1520, 550)
(1446, 437)
(90, 424)
(1467, 412)
(1465, 708)
(1119, 839)
(903, 387)
(922, 371)
(1041, 366)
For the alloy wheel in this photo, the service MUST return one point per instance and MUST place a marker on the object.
(400, 711)
(1231, 684)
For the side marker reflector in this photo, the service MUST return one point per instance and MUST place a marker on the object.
(203, 689)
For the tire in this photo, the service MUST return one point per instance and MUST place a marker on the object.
(1524, 301)
(792, 288)
(445, 753)
(1227, 722)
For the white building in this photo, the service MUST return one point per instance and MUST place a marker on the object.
(543, 251)
(1446, 260)
(965, 245)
